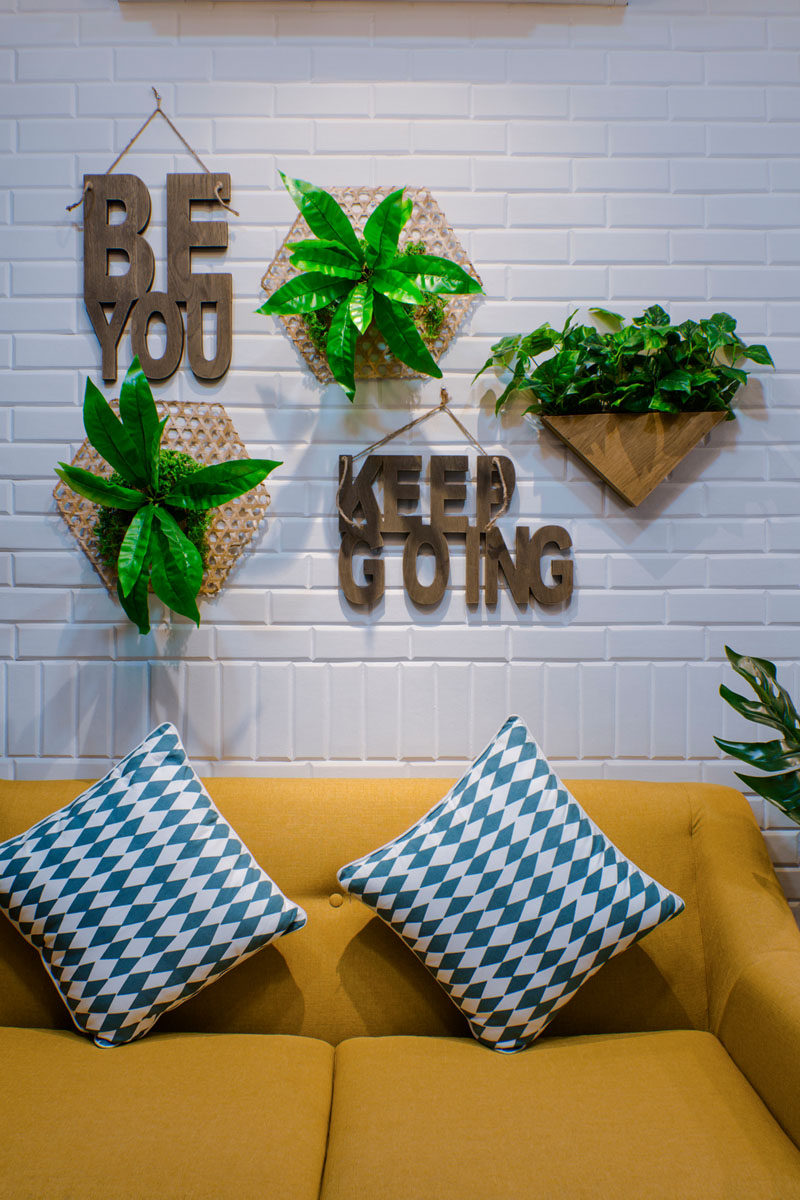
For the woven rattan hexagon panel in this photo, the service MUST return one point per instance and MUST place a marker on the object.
(207, 433)
(428, 225)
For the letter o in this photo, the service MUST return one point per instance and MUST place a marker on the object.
(425, 535)
(157, 304)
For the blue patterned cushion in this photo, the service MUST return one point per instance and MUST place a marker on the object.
(139, 893)
(509, 893)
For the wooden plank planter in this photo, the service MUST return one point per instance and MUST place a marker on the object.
(632, 452)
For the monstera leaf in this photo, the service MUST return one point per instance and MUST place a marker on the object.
(363, 280)
(155, 551)
(773, 706)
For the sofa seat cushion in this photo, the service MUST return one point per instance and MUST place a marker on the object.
(653, 1116)
(175, 1115)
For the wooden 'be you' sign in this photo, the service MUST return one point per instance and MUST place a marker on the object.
(363, 525)
(119, 266)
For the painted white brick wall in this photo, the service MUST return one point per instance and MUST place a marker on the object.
(584, 155)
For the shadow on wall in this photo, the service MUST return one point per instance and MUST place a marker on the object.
(375, 21)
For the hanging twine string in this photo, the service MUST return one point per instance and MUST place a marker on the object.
(442, 406)
(158, 111)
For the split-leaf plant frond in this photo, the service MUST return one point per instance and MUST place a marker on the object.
(154, 550)
(361, 280)
(773, 706)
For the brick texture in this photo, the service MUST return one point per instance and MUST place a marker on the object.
(582, 158)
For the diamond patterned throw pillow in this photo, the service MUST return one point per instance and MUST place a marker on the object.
(509, 893)
(139, 893)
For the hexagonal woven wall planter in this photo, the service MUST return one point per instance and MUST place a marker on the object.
(427, 224)
(207, 433)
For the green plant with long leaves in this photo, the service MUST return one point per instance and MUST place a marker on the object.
(363, 279)
(774, 707)
(646, 365)
(154, 550)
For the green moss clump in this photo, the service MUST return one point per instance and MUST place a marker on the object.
(112, 523)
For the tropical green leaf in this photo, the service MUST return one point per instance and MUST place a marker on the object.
(752, 710)
(305, 293)
(781, 790)
(217, 484)
(99, 490)
(384, 224)
(762, 675)
(436, 275)
(773, 707)
(176, 569)
(322, 214)
(360, 306)
(396, 286)
(403, 337)
(341, 348)
(758, 354)
(139, 415)
(134, 548)
(767, 756)
(135, 604)
(328, 258)
(111, 439)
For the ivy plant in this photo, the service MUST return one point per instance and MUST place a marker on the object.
(773, 706)
(153, 498)
(358, 280)
(645, 365)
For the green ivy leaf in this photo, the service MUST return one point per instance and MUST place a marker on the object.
(176, 570)
(217, 484)
(384, 225)
(611, 318)
(341, 349)
(758, 354)
(403, 337)
(134, 548)
(654, 315)
(305, 293)
(396, 286)
(135, 604)
(328, 258)
(360, 306)
(111, 439)
(322, 214)
(99, 490)
(676, 381)
(437, 276)
(139, 415)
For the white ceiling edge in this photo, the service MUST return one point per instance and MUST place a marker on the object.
(550, 3)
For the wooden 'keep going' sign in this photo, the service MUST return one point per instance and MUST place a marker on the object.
(363, 526)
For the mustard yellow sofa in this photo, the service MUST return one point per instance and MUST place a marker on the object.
(330, 1064)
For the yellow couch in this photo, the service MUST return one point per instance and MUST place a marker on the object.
(330, 1064)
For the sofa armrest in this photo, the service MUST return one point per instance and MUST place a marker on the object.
(760, 1029)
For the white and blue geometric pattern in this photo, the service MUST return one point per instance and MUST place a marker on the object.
(139, 893)
(509, 893)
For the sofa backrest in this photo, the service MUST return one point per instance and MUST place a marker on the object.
(347, 974)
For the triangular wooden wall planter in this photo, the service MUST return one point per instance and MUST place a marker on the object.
(632, 452)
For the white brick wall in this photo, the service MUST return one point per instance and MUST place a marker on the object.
(584, 155)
